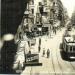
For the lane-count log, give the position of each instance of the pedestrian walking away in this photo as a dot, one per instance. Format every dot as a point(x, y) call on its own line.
point(29, 52)
point(48, 53)
point(39, 48)
point(55, 30)
point(43, 52)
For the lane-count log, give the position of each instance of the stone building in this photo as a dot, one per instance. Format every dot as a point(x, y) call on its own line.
point(28, 18)
point(57, 12)
point(45, 12)
point(73, 18)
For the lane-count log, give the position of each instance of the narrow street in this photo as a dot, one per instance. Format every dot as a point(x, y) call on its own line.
point(37, 37)
point(54, 65)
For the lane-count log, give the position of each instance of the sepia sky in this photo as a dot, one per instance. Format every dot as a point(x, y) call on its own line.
point(69, 4)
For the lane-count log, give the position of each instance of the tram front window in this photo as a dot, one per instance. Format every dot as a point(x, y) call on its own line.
point(74, 48)
point(71, 48)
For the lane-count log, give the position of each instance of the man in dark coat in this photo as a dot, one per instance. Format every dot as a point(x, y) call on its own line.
point(48, 53)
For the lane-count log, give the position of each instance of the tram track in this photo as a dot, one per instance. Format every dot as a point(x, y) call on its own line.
point(53, 63)
point(63, 66)
point(53, 73)
point(64, 63)
point(68, 65)
point(31, 71)
point(59, 63)
point(72, 66)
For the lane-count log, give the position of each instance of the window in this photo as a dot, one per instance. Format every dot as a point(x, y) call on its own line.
point(35, 28)
point(70, 48)
point(74, 48)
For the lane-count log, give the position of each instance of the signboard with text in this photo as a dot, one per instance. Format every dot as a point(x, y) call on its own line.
point(32, 58)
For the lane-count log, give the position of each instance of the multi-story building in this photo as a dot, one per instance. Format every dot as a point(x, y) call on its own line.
point(57, 12)
point(73, 18)
point(31, 10)
point(44, 12)
point(28, 18)
point(61, 13)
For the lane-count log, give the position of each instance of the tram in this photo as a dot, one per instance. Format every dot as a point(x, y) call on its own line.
point(68, 45)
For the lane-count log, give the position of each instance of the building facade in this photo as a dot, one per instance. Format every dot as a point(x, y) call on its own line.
point(48, 13)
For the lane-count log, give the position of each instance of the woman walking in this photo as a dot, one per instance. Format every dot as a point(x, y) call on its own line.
point(43, 52)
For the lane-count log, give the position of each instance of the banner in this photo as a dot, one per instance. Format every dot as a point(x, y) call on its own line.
point(32, 58)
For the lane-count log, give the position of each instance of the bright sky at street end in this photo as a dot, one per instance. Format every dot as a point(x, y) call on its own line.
point(69, 5)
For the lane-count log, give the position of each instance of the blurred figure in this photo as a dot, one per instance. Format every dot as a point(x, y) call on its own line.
point(54, 30)
point(29, 53)
point(48, 53)
point(43, 52)
point(8, 52)
point(39, 48)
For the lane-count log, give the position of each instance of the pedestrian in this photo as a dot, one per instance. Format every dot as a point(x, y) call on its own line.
point(55, 30)
point(39, 41)
point(43, 52)
point(29, 52)
point(48, 53)
point(19, 66)
point(39, 48)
